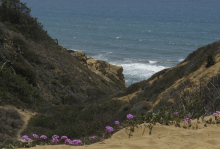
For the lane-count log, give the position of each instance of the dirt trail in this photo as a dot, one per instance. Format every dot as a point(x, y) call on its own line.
point(25, 115)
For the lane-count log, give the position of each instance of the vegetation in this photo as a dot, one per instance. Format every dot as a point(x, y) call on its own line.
point(10, 122)
point(37, 73)
point(16, 15)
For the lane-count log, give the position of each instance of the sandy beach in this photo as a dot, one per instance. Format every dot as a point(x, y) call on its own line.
point(162, 137)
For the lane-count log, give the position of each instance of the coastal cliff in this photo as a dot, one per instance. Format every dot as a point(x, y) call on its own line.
point(107, 71)
point(64, 92)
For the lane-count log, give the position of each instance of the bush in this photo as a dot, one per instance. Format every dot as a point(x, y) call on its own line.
point(28, 54)
point(10, 122)
point(210, 61)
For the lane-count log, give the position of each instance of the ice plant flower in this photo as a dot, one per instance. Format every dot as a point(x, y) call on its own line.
point(54, 139)
point(35, 136)
point(109, 128)
point(117, 122)
point(214, 114)
point(68, 142)
point(77, 142)
point(187, 119)
point(187, 115)
point(129, 116)
point(92, 138)
point(175, 113)
point(25, 137)
point(218, 112)
point(43, 137)
point(64, 137)
point(55, 136)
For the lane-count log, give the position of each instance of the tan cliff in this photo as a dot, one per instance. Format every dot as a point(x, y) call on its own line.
point(107, 71)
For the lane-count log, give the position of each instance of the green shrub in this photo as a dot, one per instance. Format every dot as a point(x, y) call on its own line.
point(210, 61)
point(28, 54)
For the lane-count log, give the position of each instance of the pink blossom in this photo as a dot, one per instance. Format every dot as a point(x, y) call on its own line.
point(92, 138)
point(55, 136)
point(109, 128)
point(54, 140)
point(77, 142)
point(64, 137)
point(187, 115)
point(175, 113)
point(187, 119)
point(43, 137)
point(117, 122)
point(26, 138)
point(129, 116)
point(68, 142)
point(35, 136)
point(214, 114)
point(218, 112)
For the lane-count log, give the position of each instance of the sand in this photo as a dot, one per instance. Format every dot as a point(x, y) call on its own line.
point(162, 137)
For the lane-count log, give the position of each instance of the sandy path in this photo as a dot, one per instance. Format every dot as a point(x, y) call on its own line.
point(25, 115)
point(162, 137)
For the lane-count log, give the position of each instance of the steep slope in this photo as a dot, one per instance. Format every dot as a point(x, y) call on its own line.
point(193, 80)
point(55, 75)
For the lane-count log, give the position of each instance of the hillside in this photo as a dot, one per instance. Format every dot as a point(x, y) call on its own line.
point(193, 84)
point(70, 94)
point(38, 75)
point(49, 71)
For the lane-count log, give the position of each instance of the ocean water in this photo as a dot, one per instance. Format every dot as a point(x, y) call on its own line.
point(143, 36)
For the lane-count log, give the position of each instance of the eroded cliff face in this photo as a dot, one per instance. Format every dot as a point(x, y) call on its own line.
point(109, 72)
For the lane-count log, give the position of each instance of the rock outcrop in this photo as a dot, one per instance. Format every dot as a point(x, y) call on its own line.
point(80, 55)
point(109, 72)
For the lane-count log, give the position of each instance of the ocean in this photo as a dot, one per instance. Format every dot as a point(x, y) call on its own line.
point(143, 36)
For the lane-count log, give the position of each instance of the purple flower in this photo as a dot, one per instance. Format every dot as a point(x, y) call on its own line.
point(54, 141)
point(43, 137)
point(129, 116)
point(187, 115)
point(175, 113)
point(187, 120)
point(35, 136)
point(117, 122)
point(55, 136)
point(25, 137)
point(64, 137)
point(68, 142)
point(218, 112)
point(109, 128)
point(214, 114)
point(92, 138)
point(77, 142)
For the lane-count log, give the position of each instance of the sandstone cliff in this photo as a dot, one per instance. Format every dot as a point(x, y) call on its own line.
point(109, 72)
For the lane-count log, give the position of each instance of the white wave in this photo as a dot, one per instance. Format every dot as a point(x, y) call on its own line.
point(135, 72)
point(137, 68)
point(180, 60)
point(153, 62)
